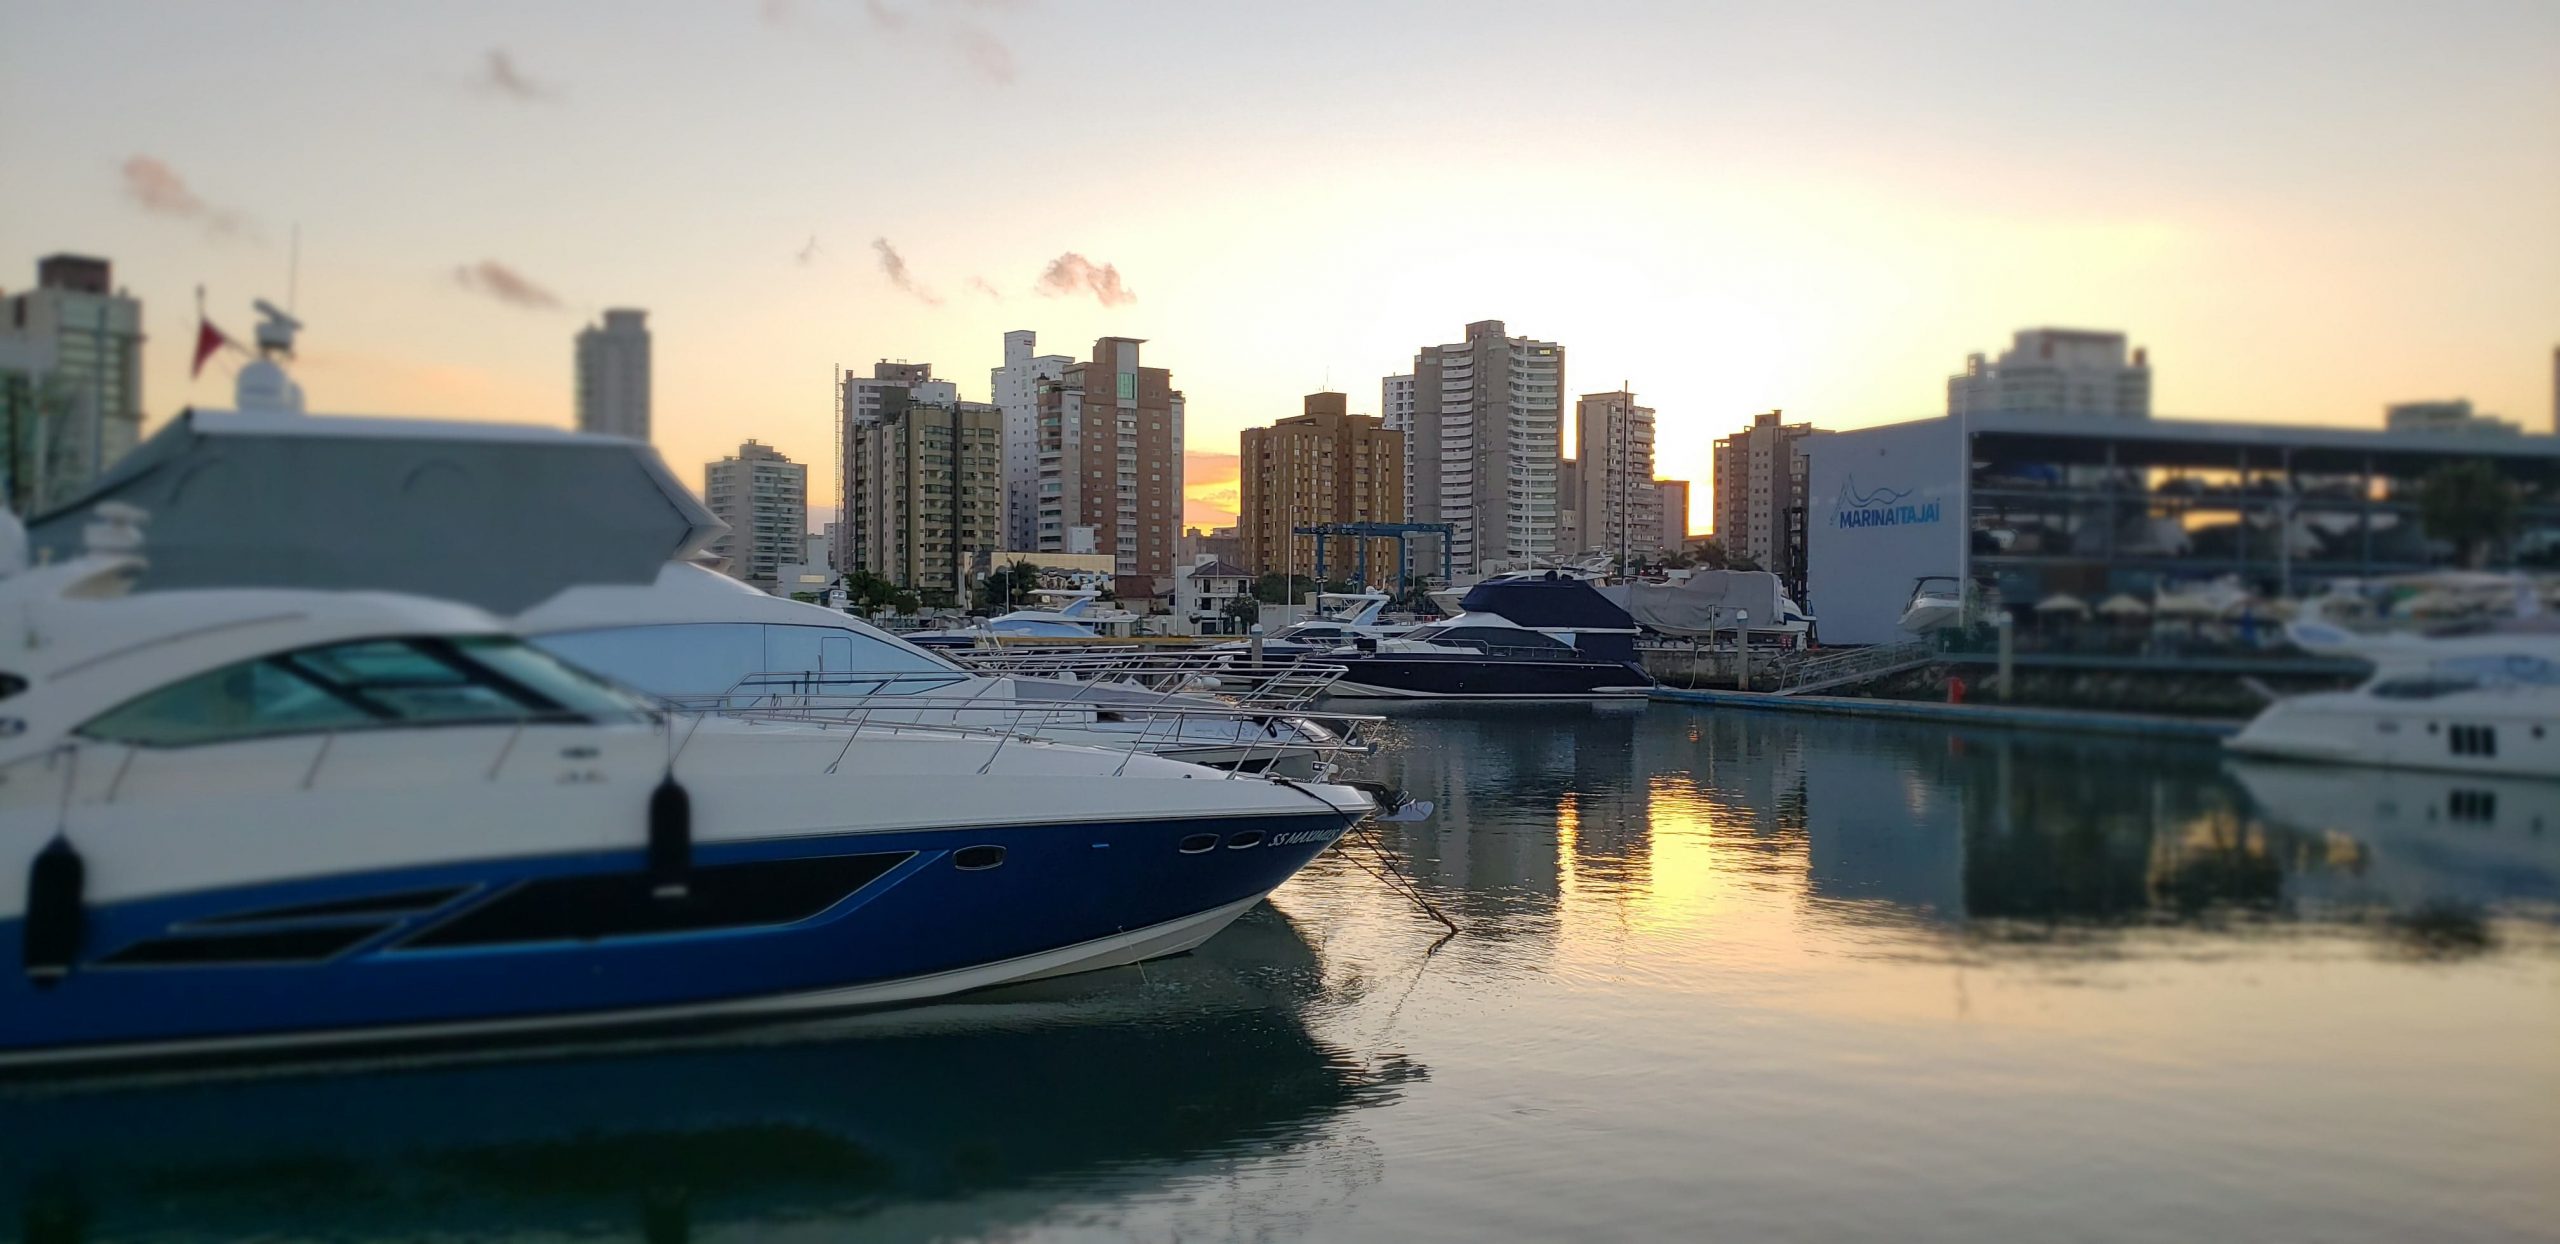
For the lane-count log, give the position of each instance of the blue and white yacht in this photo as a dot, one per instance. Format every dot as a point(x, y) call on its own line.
point(259, 819)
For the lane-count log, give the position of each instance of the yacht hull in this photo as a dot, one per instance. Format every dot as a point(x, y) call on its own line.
point(574, 942)
point(1386, 676)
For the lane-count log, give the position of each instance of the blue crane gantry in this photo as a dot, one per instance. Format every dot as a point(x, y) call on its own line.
point(1362, 533)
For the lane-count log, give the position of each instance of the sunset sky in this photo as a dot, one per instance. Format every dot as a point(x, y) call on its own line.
point(2304, 210)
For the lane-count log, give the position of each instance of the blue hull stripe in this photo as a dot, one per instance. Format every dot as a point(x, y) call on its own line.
point(1057, 886)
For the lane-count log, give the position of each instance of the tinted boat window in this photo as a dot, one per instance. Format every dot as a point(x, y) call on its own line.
point(2423, 687)
point(362, 685)
point(1496, 637)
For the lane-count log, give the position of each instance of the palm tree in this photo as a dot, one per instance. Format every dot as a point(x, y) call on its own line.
point(2470, 506)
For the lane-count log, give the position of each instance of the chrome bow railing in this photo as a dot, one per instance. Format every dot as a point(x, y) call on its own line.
point(1239, 737)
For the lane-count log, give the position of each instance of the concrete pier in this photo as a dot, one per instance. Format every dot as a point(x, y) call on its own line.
point(2084, 721)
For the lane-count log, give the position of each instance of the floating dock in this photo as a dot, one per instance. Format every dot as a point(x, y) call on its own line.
point(2085, 721)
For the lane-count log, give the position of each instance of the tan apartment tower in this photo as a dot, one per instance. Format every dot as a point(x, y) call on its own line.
point(860, 401)
point(1613, 462)
point(1487, 445)
point(1323, 466)
point(1111, 461)
point(764, 498)
point(1759, 483)
point(927, 482)
point(1672, 496)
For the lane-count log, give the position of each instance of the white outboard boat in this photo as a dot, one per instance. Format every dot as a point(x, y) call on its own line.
point(1937, 602)
point(2484, 704)
point(703, 640)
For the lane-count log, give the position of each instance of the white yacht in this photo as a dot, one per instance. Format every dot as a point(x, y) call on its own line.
point(1340, 618)
point(1069, 616)
point(701, 639)
point(2485, 704)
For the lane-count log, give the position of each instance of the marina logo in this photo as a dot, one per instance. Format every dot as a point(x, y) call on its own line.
point(1884, 507)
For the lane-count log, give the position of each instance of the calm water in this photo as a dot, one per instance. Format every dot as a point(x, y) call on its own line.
point(1720, 977)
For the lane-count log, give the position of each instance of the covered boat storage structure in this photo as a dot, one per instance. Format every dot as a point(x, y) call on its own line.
point(2095, 507)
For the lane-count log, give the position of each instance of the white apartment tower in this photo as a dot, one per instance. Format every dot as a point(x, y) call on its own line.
point(2059, 371)
point(70, 381)
point(1395, 413)
point(1016, 388)
point(764, 498)
point(1613, 454)
point(860, 401)
point(1487, 444)
point(613, 375)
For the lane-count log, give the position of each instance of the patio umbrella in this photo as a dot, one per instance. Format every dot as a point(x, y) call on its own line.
point(2123, 606)
point(2173, 605)
point(2062, 603)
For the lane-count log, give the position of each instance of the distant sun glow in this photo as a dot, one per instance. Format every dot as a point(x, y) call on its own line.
point(1751, 208)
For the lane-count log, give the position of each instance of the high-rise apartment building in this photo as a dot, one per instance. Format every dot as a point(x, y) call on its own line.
point(859, 403)
point(764, 498)
point(1613, 459)
point(1325, 465)
point(1395, 413)
point(1015, 387)
point(1759, 491)
point(2065, 371)
point(70, 381)
point(613, 375)
point(1111, 461)
point(1672, 495)
point(926, 482)
point(1487, 445)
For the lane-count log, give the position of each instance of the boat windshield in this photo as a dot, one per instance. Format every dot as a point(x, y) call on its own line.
point(2512, 668)
point(367, 684)
point(1306, 631)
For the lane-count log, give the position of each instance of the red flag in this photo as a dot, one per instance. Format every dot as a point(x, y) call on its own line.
point(208, 340)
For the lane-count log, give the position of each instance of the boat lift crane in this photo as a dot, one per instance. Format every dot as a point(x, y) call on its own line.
point(1362, 533)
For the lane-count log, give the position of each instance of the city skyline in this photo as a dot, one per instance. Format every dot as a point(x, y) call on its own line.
point(2305, 213)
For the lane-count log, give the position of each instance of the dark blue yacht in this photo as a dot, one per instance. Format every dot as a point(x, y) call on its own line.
point(1544, 638)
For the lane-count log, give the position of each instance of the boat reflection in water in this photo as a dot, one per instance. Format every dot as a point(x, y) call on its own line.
point(944, 1119)
point(2002, 834)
